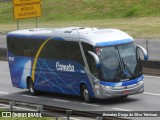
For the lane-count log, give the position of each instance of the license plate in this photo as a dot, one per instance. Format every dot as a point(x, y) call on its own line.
point(126, 92)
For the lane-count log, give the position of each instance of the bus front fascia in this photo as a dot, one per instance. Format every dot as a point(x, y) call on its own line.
point(103, 91)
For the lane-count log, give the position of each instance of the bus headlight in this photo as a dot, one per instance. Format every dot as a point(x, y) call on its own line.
point(106, 87)
point(141, 82)
point(96, 86)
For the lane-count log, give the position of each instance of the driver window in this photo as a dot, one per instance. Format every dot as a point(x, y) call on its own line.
point(90, 59)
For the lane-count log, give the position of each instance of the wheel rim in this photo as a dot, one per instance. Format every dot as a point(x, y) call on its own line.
point(85, 93)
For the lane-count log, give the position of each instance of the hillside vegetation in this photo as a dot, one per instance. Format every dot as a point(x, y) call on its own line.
point(139, 18)
point(60, 10)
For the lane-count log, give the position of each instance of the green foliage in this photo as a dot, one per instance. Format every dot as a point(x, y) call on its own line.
point(67, 10)
point(132, 11)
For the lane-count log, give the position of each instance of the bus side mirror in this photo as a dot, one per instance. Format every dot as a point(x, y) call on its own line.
point(96, 58)
point(144, 52)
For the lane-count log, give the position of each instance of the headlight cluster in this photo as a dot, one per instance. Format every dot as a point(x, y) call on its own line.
point(106, 87)
point(96, 86)
point(141, 82)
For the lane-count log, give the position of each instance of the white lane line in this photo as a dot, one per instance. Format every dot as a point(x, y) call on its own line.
point(4, 62)
point(90, 104)
point(153, 58)
point(119, 109)
point(29, 96)
point(74, 118)
point(60, 100)
point(4, 93)
point(152, 76)
point(151, 93)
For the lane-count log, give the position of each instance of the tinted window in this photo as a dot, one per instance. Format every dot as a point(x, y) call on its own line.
point(23, 46)
point(90, 59)
point(53, 49)
point(62, 50)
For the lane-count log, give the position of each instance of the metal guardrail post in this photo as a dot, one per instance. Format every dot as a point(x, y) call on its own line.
point(11, 104)
point(147, 46)
point(68, 113)
point(40, 108)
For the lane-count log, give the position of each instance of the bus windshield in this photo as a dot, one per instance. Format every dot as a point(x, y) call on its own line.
point(119, 63)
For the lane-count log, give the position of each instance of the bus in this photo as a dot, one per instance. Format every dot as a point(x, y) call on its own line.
point(87, 62)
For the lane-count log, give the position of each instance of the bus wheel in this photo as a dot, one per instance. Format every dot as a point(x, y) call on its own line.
point(31, 87)
point(85, 94)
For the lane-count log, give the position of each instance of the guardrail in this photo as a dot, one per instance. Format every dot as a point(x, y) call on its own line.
point(3, 54)
point(149, 67)
point(152, 47)
point(51, 111)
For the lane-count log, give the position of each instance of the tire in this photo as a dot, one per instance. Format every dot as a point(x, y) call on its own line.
point(31, 88)
point(85, 94)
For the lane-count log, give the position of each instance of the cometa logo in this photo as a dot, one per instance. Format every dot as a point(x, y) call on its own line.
point(61, 67)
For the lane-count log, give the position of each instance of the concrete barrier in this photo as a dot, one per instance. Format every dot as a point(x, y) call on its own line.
point(151, 67)
point(3, 54)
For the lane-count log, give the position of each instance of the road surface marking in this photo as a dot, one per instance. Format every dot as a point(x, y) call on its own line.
point(29, 96)
point(152, 93)
point(4, 93)
point(152, 76)
point(121, 109)
point(4, 62)
point(60, 100)
point(80, 118)
point(90, 104)
point(74, 118)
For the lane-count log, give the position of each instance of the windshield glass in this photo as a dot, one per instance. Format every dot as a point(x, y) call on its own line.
point(119, 63)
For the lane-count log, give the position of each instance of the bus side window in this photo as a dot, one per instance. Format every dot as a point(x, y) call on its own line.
point(90, 60)
point(29, 53)
point(62, 50)
point(23, 46)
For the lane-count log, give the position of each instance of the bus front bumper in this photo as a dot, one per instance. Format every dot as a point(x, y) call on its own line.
point(105, 92)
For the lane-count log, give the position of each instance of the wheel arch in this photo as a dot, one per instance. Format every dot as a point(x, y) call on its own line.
point(27, 81)
point(81, 87)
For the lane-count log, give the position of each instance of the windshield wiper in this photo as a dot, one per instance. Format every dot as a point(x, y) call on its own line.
point(119, 74)
point(127, 68)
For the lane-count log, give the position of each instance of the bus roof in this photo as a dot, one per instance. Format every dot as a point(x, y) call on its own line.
point(93, 36)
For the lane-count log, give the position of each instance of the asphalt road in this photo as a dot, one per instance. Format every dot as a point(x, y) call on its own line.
point(153, 46)
point(147, 101)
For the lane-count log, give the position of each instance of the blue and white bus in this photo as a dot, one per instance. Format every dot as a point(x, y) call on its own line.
point(88, 62)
